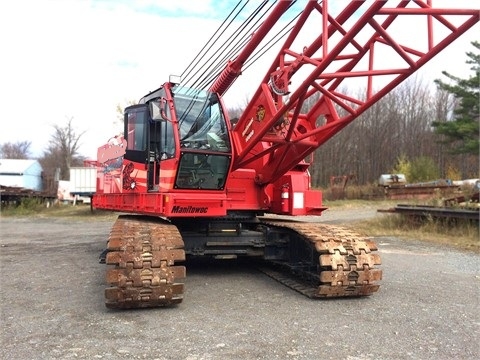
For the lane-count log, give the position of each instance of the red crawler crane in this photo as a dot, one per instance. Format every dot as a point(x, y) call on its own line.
point(200, 186)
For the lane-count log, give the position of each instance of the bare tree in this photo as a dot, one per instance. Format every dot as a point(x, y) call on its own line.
point(398, 124)
point(18, 150)
point(62, 151)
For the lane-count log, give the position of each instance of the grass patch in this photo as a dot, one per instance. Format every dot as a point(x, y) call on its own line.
point(358, 204)
point(459, 233)
point(26, 207)
point(67, 211)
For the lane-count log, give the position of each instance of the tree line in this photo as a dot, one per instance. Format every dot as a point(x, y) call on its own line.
point(431, 133)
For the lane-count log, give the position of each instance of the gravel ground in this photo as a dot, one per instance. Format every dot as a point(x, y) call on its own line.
point(52, 305)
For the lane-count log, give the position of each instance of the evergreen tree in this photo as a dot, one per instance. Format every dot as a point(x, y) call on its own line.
point(463, 132)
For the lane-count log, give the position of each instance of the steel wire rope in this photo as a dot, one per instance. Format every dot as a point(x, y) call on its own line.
point(213, 67)
point(200, 82)
point(272, 42)
point(275, 38)
point(278, 36)
point(236, 47)
point(225, 48)
point(230, 48)
point(214, 72)
point(194, 62)
point(220, 61)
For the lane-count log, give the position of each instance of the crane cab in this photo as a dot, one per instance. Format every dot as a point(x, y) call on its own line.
point(180, 136)
point(175, 145)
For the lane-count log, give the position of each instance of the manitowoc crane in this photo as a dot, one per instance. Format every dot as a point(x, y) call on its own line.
point(193, 182)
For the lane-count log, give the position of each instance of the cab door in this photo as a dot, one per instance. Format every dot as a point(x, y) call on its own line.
point(136, 170)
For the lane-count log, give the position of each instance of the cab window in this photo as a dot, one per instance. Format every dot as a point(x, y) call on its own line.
point(135, 121)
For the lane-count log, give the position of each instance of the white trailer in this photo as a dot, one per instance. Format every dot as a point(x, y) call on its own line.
point(83, 182)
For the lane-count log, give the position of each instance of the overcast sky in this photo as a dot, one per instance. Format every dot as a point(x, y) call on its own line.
point(79, 59)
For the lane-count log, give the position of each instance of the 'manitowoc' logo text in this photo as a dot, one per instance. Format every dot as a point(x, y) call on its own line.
point(189, 209)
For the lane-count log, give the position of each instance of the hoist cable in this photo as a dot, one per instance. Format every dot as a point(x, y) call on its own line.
point(199, 56)
point(225, 51)
point(218, 63)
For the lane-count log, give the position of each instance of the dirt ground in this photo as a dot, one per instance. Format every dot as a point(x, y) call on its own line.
point(52, 305)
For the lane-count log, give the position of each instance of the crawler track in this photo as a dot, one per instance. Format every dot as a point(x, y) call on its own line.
point(346, 264)
point(323, 261)
point(144, 252)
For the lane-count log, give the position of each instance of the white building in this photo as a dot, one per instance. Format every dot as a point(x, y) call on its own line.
point(21, 173)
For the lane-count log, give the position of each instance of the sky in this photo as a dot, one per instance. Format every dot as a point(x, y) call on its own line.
point(80, 59)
